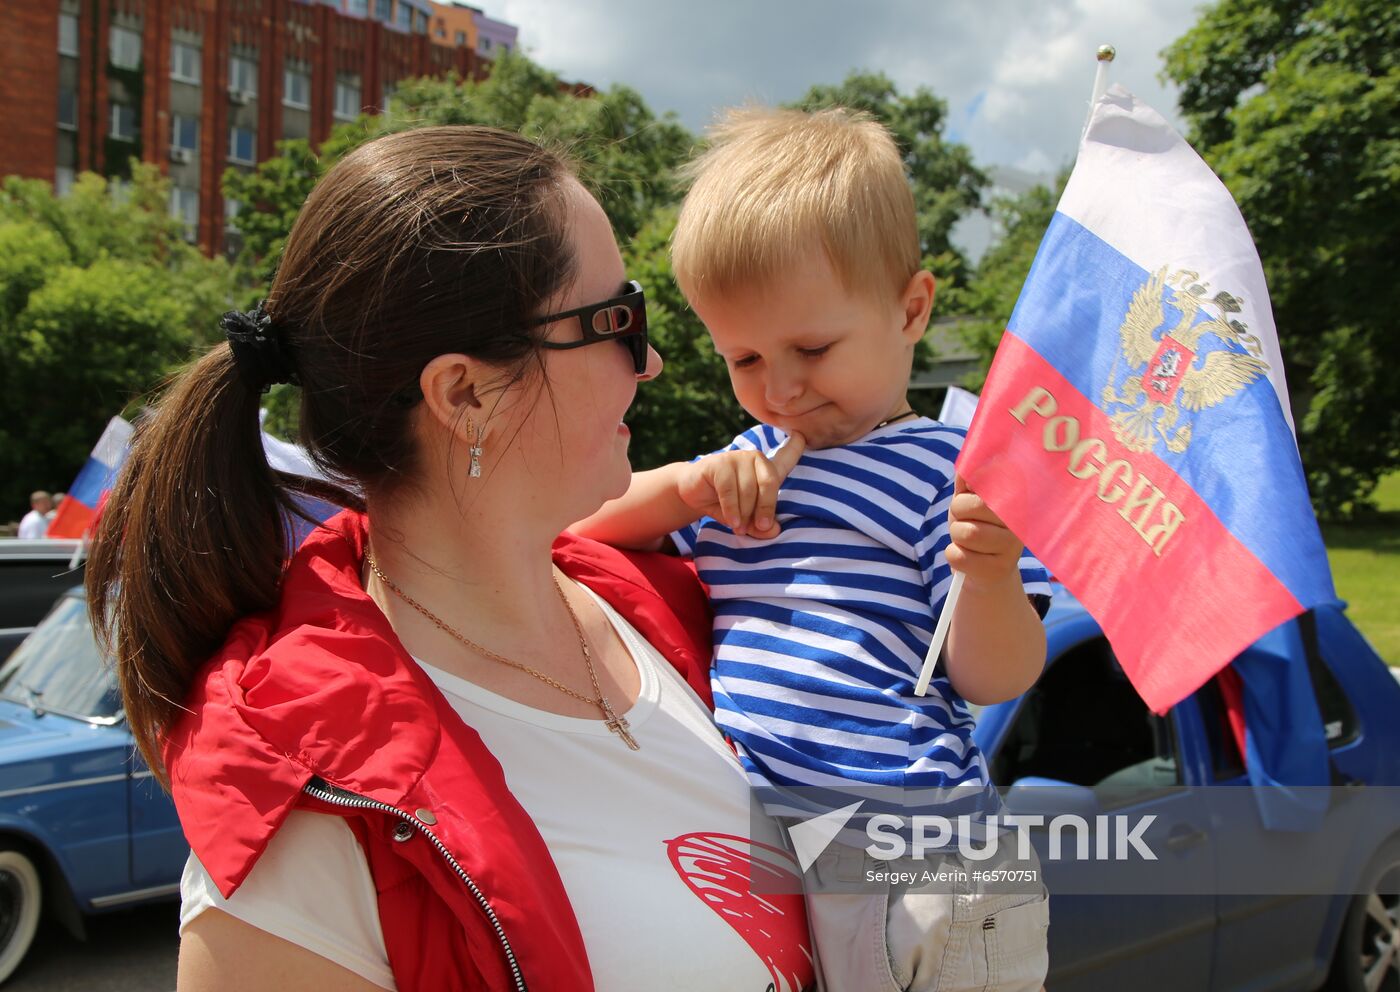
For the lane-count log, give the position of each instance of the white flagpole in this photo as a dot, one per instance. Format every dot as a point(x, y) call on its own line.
point(940, 634)
point(1104, 55)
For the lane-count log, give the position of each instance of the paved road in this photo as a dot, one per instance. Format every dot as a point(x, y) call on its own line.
point(131, 951)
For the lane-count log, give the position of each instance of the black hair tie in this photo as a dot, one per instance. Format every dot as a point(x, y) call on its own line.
point(259, 348)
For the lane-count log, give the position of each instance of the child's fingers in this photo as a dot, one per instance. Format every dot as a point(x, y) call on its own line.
point(979, 535)
point(747, 482)
point(770, 473)
point(765, 509)
point(726, 484)
point(970, 506)
point(784, 460)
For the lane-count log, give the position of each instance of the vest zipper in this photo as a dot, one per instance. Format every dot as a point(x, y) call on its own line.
point(322, 790)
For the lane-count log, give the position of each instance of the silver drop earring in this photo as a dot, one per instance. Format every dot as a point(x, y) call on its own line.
point(474, 470)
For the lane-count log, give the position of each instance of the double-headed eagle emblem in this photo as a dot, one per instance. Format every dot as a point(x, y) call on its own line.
point(1165, 377)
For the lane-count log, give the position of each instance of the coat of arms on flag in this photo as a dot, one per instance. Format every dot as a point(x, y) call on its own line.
point(1166, 376)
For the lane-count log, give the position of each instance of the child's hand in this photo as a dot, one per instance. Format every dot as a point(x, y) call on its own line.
point(982, 546)
point(740, 488)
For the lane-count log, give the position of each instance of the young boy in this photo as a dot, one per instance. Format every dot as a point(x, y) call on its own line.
point(828, 532)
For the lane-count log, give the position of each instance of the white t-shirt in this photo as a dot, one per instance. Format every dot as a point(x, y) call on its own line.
point(32, 526)
point(645, 842)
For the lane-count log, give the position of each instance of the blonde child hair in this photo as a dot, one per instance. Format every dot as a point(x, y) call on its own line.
point(775, 183)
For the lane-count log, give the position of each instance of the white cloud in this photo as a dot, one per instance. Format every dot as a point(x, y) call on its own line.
point(1016, 75)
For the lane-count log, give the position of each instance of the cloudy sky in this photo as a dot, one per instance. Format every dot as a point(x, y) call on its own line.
point(1016, 73)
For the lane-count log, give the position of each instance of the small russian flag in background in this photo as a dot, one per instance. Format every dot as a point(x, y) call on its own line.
point(75, 514)
point(1135, 428)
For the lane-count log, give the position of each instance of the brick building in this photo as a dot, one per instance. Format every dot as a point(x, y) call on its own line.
point(200, 86)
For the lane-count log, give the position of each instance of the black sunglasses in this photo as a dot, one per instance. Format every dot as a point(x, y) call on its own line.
point(622, 319)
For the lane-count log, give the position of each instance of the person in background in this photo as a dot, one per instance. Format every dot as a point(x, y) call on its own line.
point(58, 499)
point(35, 524)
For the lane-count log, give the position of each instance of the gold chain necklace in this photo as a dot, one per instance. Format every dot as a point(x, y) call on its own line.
point(617, 724)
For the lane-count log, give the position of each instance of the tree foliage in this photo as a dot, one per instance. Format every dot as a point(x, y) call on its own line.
point(992, 293)
point(690, 408)
point(1296, 104)
point(100, 297)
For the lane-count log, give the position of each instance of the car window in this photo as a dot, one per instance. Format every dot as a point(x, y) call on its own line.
point(1339, 721)
point(1226, 762)
point(30, 583)
point(59, 668)
point(1084, 723)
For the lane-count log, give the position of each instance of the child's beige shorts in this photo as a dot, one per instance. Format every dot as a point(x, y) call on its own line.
point(946, 937)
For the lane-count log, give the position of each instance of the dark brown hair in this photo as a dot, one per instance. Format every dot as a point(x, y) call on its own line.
point(417, 244)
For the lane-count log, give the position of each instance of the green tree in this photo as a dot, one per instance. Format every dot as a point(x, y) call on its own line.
point(100, 298)
point(690, 408)
point(1296, 104)
point(992, 292)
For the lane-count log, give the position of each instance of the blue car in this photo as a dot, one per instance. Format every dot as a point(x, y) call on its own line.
point(84, 828)
point(1081, 741)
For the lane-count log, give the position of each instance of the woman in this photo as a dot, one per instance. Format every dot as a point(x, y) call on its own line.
point(438, 748)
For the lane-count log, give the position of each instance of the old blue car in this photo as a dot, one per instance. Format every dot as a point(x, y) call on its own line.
point(84, 828)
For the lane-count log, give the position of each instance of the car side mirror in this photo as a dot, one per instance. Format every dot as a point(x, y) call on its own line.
point(1050, 798)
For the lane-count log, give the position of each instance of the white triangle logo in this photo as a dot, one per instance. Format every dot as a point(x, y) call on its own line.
point(811, 837)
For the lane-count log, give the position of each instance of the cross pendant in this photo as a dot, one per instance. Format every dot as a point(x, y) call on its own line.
point(618, 725)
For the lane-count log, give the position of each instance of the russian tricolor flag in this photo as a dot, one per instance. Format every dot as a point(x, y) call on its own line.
point(1135, 428)
point(79, 507)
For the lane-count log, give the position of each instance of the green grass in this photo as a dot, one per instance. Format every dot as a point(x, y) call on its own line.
point(1365, 560)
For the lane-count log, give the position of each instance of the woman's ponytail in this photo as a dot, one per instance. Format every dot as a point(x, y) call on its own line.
point(192, 537)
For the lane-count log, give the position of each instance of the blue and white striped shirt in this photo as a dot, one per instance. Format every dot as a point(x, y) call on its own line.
point(820, 633)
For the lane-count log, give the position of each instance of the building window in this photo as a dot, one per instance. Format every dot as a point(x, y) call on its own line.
point(242, 145)
point(420, 22)
point(347, 98)
point(460, 38)
point(440, 32)
point(67, 109)
point(296, 88)
point(231, 210)
point(125, 48)
point(119, 189)
point(505, 48)
point(184, 63)
point(243, 75)
point(62, 180)
point(123, 125)
point(383, 9)
point(184, 205)
point(184, 132)
point(405, 16)
point(68, 34)
point(360, 8)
